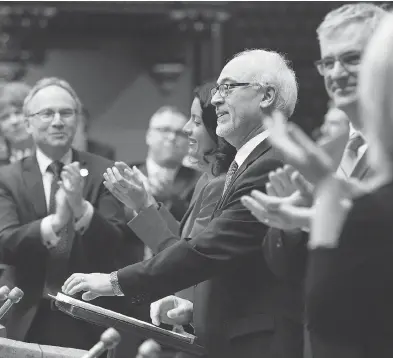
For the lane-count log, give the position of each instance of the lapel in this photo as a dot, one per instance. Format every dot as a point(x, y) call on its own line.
point(186, 216)
point(82, 158)
point(260, 149)
point(33, 181)
point(361, 167)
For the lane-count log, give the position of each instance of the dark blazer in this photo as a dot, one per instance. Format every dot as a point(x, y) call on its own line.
point(238, 310)
point(101, 149)
point(350, 288)
point(22, 207)
point(183, 188)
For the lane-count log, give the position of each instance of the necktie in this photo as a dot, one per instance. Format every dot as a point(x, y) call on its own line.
point(55, 168)
point(57, 262)
point(350, 155)
point(230, 174)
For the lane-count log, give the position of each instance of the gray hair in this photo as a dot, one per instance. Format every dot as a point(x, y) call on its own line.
point(369, 15)
point(275, 69)
point(375, 93)
point(52, 81)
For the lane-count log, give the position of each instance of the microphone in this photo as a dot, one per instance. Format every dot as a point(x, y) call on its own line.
point(4, 292)
point(108, 340)
point(13, 297)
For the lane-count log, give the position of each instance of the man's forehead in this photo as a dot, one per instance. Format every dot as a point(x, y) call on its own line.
point(346, 38)
point(239, 69)
point(52, 94)
point(168, 119)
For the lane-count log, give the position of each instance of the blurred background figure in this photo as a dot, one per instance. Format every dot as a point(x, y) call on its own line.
point(169, 181)
point(17, 142)
point(82, 141)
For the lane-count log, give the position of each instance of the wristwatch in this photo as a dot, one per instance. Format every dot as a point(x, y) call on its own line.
point(115, 284)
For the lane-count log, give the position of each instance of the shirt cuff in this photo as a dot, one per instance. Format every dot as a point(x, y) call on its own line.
point(115, 284)
point(83, 223)
point(47, 233)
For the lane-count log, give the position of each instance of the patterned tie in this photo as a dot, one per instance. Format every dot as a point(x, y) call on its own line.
point(230, 174)
point(350, 155)
point(55, 168)
point(57, 262)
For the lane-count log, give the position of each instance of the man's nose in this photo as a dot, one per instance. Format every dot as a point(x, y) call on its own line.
point(57, 121)
point(338, 71)
point(217, 99)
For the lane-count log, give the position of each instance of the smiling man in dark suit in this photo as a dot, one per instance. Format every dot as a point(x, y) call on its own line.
point(56, 217)
point(239, 304)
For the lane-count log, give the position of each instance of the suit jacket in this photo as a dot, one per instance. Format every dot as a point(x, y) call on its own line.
point(183, 188)
point(22, 208)
point(238, 310)
point(350, 287)
point(101, 149)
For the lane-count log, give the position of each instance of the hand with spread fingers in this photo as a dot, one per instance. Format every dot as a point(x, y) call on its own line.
point(280, 183)
point(299, 150)
point(93, 285)
point(171, 310)
point(281, 213)
point(73, 184)
point(128, 186)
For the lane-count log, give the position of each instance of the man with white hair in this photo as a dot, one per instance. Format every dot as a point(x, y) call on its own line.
point(56, 217)
point(240, 308)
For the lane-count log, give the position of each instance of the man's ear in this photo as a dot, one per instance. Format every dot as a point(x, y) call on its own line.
point(269, 97)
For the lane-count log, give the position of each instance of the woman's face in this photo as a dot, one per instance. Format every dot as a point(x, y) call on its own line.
point(199, 141)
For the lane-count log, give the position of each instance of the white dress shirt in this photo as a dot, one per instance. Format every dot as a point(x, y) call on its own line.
point(246, 149)
point(46, 227)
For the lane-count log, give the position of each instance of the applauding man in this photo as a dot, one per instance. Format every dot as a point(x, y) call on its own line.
point(56, 218)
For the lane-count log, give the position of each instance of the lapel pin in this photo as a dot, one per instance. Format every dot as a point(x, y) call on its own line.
point(84, 172)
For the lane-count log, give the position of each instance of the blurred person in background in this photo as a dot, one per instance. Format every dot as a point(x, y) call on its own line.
point(84, 143)
point(17, 140)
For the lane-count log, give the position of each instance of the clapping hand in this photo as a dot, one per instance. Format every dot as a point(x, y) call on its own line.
point(299, 150)
point(73, 184)
point(284, 213)
point(128, 185)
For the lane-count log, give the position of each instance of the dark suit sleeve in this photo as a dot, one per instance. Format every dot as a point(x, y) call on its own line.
point(18, 243)
point(231, 237)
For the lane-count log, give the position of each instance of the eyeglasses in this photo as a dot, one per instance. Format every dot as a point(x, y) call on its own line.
point(349, 61)
point(167, 131)
point(48, 114)
point(224, 89)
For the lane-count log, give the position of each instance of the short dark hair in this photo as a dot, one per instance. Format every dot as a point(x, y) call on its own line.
point(223, 153)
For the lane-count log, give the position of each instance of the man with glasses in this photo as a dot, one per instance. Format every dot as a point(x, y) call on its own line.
point(170, 182)
point(343, 35)
point(240, 308)
point(56, 217)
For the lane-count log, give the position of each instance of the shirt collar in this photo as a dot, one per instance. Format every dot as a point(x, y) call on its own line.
point(246, 149)
point(44, 161)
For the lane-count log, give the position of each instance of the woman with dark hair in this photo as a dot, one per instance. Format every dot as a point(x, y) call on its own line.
point(213, 156)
